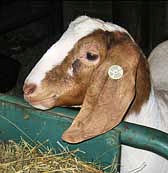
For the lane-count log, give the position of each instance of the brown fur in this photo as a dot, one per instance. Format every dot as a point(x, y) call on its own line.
point(73, 88)
point(143, 86)
point(107, 100)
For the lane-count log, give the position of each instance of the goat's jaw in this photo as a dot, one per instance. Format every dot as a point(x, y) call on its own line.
point(40, 107)
point(42, 104)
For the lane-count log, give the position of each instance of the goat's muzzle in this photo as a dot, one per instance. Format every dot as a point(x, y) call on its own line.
point(29, 88)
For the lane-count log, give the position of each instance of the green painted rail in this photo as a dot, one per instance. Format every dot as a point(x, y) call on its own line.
point(144, 138)
point(18, 119)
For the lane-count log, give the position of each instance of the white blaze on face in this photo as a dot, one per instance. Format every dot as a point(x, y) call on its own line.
point(55, 55)
point(70, 71)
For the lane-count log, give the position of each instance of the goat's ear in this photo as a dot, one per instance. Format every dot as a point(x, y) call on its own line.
point(109, 94)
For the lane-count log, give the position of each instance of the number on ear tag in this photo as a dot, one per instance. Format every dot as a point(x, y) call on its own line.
point(115, 72)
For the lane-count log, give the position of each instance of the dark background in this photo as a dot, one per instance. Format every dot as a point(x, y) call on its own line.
point(29, 27)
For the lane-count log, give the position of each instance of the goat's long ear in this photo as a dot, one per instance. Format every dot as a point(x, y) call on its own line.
point(109, 94)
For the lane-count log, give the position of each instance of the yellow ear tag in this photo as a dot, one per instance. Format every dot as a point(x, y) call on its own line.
point(115, 72)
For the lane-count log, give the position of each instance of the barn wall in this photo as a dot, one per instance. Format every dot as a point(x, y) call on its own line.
point(29, 27)
point(145, 20)
point(98, 9)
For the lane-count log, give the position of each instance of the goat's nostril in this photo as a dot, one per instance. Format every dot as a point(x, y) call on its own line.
point(29, 88)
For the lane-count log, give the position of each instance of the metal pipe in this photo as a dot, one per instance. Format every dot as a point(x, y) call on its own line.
point(143, 138)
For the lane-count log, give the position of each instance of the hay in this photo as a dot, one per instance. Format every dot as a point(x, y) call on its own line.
point(24, 158)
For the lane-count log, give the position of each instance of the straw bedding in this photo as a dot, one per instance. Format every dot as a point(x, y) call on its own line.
point(24, 158)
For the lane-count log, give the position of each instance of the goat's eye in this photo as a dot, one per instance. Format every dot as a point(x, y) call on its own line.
point(91, 57)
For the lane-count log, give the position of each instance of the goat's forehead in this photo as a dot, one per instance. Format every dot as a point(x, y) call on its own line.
point(55, 55)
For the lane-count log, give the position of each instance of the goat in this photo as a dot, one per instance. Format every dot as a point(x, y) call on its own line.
point(98, 65)
point(158, 60)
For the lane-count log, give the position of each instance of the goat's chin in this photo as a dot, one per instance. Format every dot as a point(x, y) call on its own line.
point(50, 102)
point(41, 107)
point(43, 104)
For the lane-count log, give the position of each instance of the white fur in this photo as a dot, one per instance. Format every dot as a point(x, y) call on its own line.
point(77, 29)
point(70, 71)
point(152, 114)
point(158, 61)
point(40, 107)
point(151, 109)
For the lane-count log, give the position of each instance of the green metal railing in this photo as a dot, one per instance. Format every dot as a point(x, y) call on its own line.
point(18, 119)
point(144, 138)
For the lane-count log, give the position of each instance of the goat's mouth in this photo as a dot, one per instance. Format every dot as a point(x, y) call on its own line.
point(44, 104)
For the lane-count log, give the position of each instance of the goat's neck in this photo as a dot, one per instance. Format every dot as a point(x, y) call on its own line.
point(149, 115)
